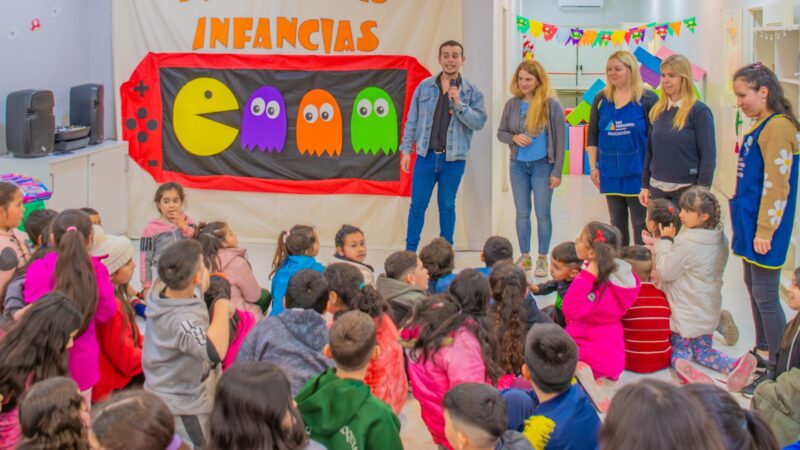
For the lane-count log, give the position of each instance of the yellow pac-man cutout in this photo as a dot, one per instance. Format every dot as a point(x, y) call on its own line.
point(200, 135)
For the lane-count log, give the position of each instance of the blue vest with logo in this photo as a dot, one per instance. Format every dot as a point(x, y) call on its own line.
point(621, 147)
point(747, 200)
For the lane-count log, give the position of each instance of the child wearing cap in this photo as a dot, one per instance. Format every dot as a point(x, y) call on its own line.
point(557, 414)
point(120, 339)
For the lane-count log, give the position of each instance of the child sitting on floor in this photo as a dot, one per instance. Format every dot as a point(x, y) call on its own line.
point(221, 253)
point(564, 267)
point(646, 324)
point(295, 251)
point(337, 407)
point(557, 414)
point(385, 375)
point(598, 298)
point(439, 259)
point(295, 338)
point(351, 248)
point(450, 340)
point(475, 419)
point(496, 249)
point(403, 284)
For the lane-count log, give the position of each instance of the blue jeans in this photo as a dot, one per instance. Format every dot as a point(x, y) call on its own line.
point(428, 171)
point(526, 178)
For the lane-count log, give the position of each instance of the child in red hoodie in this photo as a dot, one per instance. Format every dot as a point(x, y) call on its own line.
point(646, 324)
point(120, 339)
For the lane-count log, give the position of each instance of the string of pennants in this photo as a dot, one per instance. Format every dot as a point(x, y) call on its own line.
point(589, 37)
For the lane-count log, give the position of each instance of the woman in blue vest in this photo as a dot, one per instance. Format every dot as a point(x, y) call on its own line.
point(762, 209)
point(533, 127)
point(617, 142)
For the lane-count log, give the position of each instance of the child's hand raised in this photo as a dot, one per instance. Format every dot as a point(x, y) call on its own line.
point(668, 231)
point(224, 306)
point(534, 288)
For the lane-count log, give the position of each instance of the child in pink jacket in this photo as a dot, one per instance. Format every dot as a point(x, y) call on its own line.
point(448, 342)
point(93, 294)
point(598, 298)
point(221, 253)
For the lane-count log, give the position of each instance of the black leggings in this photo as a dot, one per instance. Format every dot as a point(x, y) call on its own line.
point(618, 208)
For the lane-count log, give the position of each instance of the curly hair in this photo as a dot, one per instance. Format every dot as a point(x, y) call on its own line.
point(36, 347)
point(465, 305)
point(509, 289)
point(50, 416)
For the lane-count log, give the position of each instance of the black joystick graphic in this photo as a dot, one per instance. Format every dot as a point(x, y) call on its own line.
point(141, 121)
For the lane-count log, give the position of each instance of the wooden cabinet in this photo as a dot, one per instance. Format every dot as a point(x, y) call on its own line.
point(94, 176)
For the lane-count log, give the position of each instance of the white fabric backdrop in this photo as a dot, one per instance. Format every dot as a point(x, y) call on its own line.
point(407, 27)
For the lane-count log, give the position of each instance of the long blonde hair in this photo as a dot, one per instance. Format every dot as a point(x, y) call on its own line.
point(634, 77)
point(538, 112)
point(680, 65)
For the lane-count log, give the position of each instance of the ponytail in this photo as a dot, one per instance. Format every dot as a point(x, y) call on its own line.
point(762, 436)
point(74, 271)
point(739, 428)
point(348, 283)
point(509, 289)
point(604, 239)
point(211, 236)
point(297, 241)
point(757, 76)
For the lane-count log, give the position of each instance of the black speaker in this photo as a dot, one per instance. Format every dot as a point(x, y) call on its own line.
point(30, 123)
point(86, 108)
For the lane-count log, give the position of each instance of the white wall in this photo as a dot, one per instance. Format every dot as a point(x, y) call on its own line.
point(73, 46)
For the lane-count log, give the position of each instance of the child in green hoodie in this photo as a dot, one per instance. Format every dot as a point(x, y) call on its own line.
point(337, 407)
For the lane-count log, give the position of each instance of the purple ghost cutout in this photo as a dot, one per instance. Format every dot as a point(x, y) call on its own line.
point(264, 121)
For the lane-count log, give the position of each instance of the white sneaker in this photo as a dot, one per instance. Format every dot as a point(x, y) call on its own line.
point(541, 267)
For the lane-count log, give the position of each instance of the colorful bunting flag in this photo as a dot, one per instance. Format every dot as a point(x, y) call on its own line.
point(536, 28)
point(522, 24)
point(661, 31)
point(690, 23)
point(586, 37)
point(549, 31)
point(575, 35)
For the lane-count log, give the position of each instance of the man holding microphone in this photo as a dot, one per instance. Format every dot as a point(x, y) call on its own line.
point(444, 111)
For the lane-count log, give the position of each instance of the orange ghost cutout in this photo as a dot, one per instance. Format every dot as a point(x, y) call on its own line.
point(319, 124)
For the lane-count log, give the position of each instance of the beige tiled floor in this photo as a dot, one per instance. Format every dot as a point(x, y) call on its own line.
point(574, 204)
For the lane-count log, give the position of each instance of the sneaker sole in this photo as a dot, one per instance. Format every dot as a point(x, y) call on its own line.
point(726, 322)
point(740, 376)
point(596, 394)
point(689, 374)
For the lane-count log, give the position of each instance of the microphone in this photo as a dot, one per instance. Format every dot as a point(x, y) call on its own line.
point(450, 99)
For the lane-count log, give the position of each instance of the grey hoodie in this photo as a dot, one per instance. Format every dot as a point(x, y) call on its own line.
point(294, 340)
point(401, 297)
point(513, 440)
point(180, 363)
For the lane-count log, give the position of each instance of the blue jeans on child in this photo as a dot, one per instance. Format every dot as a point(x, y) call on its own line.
point(428, 171)
point(700, 348)
point(532, 177)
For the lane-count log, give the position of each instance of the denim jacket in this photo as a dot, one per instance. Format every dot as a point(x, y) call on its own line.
point(468, 116)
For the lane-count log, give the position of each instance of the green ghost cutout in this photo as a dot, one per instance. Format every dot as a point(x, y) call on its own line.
point(373, 125)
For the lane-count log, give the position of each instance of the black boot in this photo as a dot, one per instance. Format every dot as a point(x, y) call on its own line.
point(766, 375)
